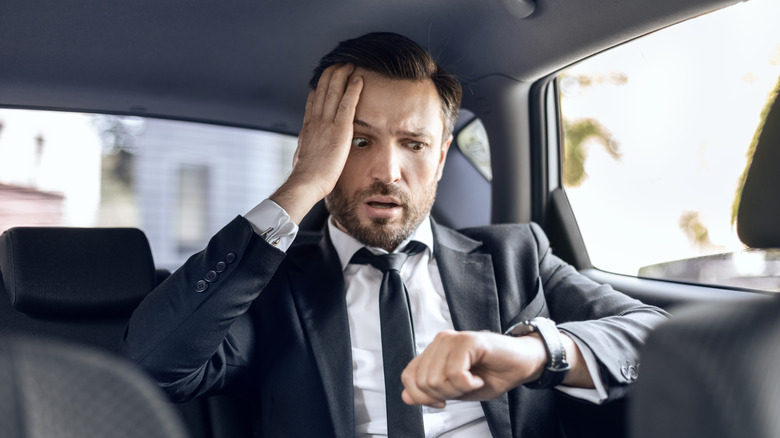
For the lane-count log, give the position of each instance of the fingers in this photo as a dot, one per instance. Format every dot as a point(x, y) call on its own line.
point(331, 91)
point(471, 366)
point(321, 92)
point(307, 115)
point(329, 117)
point(325, 137)
point(442, 372)
point(345, 115)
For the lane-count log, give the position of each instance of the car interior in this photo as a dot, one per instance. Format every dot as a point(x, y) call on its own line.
point(69, 285)
point(54, 388)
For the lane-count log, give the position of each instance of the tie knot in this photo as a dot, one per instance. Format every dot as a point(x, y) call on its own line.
point(387, 262)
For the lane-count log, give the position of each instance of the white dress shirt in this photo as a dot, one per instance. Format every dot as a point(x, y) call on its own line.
point(430, 315)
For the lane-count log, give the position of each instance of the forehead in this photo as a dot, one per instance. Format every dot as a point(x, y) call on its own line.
point(398, 104)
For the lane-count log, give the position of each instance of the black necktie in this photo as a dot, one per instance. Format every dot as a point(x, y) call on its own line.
point(397, 338)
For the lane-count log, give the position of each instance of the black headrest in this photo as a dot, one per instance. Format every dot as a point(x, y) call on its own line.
point(52, 388)
point(758, 216)
point(76, 272)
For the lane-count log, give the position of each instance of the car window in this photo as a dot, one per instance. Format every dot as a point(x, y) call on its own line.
point(473, 142)
point(179, 182)
point(657, 134)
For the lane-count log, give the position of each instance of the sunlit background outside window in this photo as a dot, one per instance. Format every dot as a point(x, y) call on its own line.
point(657, 132)
point(179, 182)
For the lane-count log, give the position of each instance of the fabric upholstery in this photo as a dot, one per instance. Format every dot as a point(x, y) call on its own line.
point(80, 285)
point(712, 372)
point(54, 389)
point(76, 272)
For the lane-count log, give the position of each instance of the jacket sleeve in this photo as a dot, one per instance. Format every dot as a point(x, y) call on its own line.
point(192, 333)
point(611, 324)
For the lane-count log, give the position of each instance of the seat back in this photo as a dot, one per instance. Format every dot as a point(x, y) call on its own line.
point(758, 216)
point(54, 389)
point(80, 285)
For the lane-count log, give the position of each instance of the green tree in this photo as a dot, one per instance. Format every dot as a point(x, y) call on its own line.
point(575, 136)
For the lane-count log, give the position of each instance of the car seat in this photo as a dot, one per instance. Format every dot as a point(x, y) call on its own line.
point(54, 389)
point(81, 285)
point(758, 216)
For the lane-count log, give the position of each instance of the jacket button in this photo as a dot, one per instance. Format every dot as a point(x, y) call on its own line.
point(230, 257)
point(220, 267)
point(632, 373)
point(201, 286)
point(624, 371)
point(211, 276)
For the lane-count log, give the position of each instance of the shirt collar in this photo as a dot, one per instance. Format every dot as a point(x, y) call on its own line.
point(346, 245)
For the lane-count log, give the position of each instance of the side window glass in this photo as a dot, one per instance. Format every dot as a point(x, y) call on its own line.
point(473, 142)
point(179, 182)
point(657, 134)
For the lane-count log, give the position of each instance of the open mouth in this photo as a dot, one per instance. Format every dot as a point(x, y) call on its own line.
point(383, 207)
point(383, 204)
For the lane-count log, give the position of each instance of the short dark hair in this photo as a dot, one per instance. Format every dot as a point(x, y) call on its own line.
point(396, 57)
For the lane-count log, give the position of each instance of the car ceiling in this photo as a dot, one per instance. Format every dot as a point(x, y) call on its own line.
point(247, 63)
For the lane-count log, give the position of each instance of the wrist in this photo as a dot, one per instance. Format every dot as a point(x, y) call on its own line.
point(556, 366)
point(297, 199)
point(540, 353)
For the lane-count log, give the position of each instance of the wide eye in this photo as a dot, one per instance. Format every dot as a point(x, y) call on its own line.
point(415, 145)
point(359, 142)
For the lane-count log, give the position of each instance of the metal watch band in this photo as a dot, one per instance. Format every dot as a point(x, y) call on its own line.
point(557, 367)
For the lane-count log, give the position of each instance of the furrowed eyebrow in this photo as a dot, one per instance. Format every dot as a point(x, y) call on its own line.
point(419, 134)
point(422, 133)
point(363, 124)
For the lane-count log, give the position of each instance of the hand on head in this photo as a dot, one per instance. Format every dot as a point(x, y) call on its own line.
point(324, 141)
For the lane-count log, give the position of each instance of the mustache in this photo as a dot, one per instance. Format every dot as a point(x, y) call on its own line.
point(381, 189)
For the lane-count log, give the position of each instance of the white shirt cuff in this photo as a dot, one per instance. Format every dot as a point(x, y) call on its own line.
point(597, 395)
point(271, 222)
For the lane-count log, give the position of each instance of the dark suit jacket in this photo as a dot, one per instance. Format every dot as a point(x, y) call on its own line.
point(275, 327)
point(712, 372)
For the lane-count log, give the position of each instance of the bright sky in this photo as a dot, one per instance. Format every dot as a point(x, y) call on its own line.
point(70, 163)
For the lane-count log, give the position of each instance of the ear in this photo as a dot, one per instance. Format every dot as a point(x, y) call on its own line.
point(445, 147)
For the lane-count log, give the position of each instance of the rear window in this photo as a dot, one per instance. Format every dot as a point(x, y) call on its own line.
point(179, 182)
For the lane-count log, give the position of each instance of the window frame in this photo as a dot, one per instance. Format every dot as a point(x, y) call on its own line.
point(552, 208)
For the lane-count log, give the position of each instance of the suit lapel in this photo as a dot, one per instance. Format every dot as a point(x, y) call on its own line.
point(472, 296)
point(468, 280)
point(318, 289)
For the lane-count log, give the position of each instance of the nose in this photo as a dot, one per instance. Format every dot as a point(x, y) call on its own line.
point(386, 164)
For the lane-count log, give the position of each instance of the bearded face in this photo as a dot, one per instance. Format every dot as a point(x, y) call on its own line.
point(388, 183)
point(381, 232)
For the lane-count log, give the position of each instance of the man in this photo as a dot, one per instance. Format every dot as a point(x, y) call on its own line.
point(297, 325)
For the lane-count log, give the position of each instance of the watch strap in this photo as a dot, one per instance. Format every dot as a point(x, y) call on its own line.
point(557, 367)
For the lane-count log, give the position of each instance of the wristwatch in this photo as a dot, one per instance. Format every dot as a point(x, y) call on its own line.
point(557, 367)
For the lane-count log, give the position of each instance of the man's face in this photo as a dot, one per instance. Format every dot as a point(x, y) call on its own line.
point(388, 184)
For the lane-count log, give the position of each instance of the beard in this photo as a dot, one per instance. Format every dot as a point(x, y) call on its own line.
point(381, 232)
